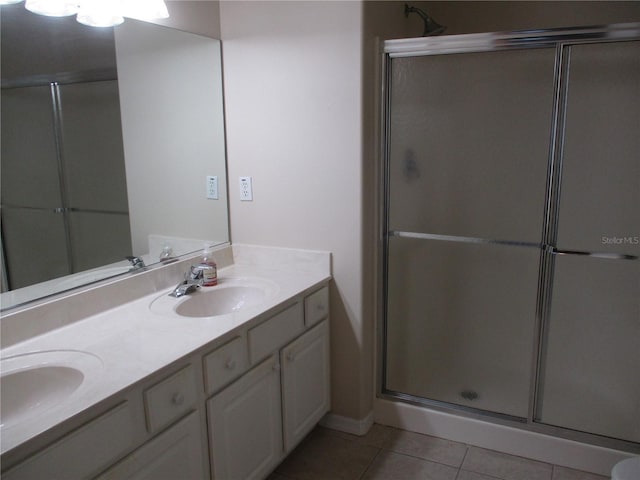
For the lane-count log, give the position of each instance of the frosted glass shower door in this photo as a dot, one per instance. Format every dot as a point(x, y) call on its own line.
point(460, 323)
point(590, 378)
point(467, 168)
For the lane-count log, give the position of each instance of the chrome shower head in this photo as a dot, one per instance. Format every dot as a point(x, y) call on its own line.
point(431, 27)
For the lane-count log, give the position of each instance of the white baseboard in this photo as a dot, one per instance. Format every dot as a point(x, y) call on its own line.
point(524, 443)
point(347, 424)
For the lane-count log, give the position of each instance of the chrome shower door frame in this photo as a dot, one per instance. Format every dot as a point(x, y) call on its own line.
point(561, 40)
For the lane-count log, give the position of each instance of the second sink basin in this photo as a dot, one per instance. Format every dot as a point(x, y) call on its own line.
point(229, 296)
point(35, 383)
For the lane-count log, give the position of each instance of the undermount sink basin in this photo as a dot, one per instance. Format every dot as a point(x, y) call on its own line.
point(220, 302)
point(229, 296)
point(35, 383)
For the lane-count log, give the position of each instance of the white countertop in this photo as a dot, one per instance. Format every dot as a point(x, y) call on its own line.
point(132, 342)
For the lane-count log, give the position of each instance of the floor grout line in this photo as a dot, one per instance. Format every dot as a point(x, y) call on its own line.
point(363, 474)
point(405, 454)
point(479, 473)
point(466, 451)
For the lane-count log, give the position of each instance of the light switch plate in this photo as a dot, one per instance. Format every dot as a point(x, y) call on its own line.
point(246, 191)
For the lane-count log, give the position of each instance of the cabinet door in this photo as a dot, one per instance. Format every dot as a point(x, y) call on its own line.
point(176, 453)
point(305, 383)
point(245, 425)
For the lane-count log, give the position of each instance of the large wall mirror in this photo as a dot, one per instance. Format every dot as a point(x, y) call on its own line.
point(109, 141)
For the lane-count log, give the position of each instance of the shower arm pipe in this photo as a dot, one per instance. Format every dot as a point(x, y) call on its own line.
point(431, 27)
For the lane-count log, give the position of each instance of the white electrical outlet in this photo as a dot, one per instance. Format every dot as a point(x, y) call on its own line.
point(246, 192)
point(212, 187)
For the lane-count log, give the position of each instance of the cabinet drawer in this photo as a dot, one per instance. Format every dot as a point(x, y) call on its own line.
point(274, 333)
point(171, 398)
point(225, 364)
point(84, 452)
point(316, 306)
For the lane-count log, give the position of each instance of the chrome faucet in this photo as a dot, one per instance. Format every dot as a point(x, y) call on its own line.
point(136, 263)
point(192, 281)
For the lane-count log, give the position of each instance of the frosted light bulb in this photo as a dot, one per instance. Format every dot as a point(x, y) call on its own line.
point(52, 8)
point(100, 13)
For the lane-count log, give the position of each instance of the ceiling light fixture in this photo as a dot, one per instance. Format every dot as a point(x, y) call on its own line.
point(97, 13)
point(52, 8)
point(100, 13)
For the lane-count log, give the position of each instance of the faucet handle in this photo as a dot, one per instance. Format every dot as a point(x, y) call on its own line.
point(136, 262)
point(195, 273)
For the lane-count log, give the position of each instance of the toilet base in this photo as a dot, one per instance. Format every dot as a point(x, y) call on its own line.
point(628, 469)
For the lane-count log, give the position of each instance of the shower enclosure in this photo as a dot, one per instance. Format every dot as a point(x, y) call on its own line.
point(512, 229)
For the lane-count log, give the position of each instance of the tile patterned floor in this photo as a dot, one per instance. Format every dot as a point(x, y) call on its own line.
point(387, 453)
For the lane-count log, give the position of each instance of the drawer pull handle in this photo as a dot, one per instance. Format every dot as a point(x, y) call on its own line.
point(291, 356)
point(320, 307)
point(177, 399)
point(230, 364)
point(276, 367)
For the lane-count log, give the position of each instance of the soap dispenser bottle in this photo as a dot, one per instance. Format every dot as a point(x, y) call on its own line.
point(208, 267)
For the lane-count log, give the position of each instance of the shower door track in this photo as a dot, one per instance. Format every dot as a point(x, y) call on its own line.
point(561, 39)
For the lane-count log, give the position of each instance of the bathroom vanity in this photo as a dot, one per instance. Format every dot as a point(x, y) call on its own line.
point(223, 383)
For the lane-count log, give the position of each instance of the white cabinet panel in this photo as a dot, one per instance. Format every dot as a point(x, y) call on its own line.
point(316, 306)
point(245, 425)
point(305, 383)
point(272, 334)
point(225, 364)
point(82, 453)
point(168, 400)
point(176, 453)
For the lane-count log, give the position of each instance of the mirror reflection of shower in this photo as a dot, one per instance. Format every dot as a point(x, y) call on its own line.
point(431, 27)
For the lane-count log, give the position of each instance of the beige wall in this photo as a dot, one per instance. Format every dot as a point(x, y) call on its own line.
point(301, 98)
point(293, 113)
